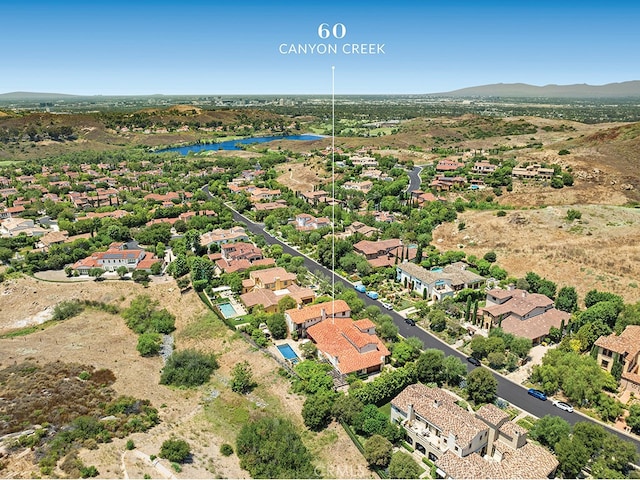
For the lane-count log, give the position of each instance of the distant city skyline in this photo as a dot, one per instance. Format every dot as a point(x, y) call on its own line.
point(287, 48)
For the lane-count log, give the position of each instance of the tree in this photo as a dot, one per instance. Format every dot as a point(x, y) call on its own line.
point(594, 296)
point(175, 450)
point(286, 303)
point(277, 325)
point(188, 368)
point(96, 272)
point(6, 254)
point(478, 347)
point(261, 441)
point(482, 386)
point(633, 420)
point(567, 300)
point(454, 370)
point(520, 346)
point(140, 276)
point(403, 465)
point(549, 430)
point(438, 320)
point(429, 366)
point(149, 344)
point(122, 271)
point(346, 408)
point(406, 350)
point(156, 268)
point(377, 451)
point(179, 267)
point(387, 330)
point(242, 378)
point(317, 410)
point(572, 456)
point(309, 350)
point(490, 256)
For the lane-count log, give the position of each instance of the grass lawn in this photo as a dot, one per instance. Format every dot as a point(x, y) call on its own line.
point(386, 409)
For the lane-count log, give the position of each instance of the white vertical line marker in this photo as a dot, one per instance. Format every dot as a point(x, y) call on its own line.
point(333, 187)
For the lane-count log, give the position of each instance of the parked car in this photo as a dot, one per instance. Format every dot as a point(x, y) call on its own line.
point(388, 306)
point(373, 295)
point(410, 321)
point(537, 393)
point(474, 361)
point(563, 406)
point(360, 288)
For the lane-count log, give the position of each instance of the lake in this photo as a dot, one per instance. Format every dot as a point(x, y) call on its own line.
point(233, 144)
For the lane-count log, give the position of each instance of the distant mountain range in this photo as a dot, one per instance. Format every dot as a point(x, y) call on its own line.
point(610, 90)
point(14, 96)
point(522, 90)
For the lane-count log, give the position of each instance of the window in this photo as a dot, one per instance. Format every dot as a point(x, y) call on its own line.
point(604, 364)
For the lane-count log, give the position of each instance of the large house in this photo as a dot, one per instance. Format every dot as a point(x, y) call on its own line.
point(523, 314)
point(300, 319)
point(624, 348)
point(275, 278)
point(442, 182)
point(446, 165)
point(350, 346)
point(534, 171)
point(14, 226)
point(268, 286)
point(440, 282)
point(305, 222)
point(117, 255)
point(364, 186)
point(384, 253)
point(221, 236)
point(483, 168)
point(239, 256)
point(484, 444)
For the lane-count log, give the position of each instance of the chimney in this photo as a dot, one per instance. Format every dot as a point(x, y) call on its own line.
point(410, 414)
point(436, 403)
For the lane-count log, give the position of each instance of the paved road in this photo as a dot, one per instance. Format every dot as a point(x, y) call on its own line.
point(414, 179)
point(510, 391)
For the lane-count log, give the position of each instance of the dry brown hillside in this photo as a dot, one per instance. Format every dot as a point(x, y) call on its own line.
point(601, 250)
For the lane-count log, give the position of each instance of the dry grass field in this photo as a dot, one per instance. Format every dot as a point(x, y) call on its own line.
point(205, 417)
point(601, 250)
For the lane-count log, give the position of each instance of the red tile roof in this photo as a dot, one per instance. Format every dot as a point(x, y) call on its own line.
point(302, 315)
point(353, 349)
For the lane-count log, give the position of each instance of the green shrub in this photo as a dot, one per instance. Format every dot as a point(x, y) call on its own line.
point(226, 449)
point(130, 445)
point(67, 309)
point(149, 344)
point(188, 368)
point(88, 472)
point(175, 450)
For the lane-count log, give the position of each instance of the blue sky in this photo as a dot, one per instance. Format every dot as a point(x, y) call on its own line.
point(191, 47)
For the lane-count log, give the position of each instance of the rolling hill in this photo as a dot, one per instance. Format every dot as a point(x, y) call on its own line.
point(610, 90)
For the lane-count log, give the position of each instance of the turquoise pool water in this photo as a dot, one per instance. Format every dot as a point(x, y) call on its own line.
point(227, 310)
point(288, 353)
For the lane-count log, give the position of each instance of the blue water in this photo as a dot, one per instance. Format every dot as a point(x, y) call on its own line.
point(287, 352)
point(227, 310)
point(233, 144)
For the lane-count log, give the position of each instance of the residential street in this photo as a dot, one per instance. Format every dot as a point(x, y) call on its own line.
point(507, 389)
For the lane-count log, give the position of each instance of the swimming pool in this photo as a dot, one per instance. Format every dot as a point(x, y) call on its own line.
point(288, 353)
point(227, 310)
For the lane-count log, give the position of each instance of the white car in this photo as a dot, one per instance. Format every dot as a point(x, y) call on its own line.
point(563, 406)
point(386, 305)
